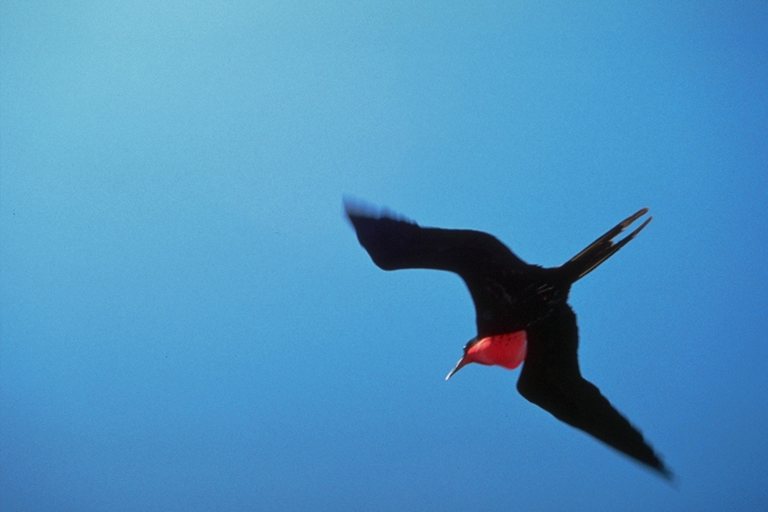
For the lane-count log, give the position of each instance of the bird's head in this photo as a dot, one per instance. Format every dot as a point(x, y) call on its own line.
point(507, 350)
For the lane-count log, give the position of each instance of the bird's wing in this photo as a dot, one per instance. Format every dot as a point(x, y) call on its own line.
point(397, 243)
point(551, 379)
point(490, 270)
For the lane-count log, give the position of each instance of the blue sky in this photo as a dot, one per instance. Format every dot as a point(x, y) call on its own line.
point(188, 323)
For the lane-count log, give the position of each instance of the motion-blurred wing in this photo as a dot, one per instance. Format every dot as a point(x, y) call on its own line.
point(489, 269)
point(396, 244)
point(551, 379)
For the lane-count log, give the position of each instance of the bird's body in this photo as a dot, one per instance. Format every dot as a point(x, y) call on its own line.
point(522, 315)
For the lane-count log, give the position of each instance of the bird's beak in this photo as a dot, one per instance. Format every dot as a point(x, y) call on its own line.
point(462, 362)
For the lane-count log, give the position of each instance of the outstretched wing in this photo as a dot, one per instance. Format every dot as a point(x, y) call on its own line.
point(489, 269)
point(551, 379)
point(397, 243)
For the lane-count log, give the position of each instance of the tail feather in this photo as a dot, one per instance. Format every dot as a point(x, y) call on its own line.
point(604, 247)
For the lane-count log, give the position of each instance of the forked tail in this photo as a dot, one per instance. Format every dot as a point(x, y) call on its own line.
point(603, 248)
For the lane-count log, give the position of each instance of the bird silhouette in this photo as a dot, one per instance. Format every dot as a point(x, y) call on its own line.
point(522, 314)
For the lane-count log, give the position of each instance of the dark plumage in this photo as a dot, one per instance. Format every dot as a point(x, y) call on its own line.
point(511, 295)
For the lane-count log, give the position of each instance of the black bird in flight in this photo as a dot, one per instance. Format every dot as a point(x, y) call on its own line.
point(521, 312)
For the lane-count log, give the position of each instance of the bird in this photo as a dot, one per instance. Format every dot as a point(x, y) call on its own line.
point(521, 311)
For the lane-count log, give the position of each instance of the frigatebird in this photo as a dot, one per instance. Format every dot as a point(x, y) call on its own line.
point(522, 314)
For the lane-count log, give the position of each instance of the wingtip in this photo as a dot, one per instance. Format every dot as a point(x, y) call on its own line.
point(667, 474)
point(360, 213)
point(354, 207)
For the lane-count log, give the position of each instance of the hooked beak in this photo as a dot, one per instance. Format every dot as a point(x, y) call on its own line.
point(462, 362)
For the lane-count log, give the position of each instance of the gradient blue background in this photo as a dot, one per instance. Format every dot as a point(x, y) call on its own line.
point(188, 323)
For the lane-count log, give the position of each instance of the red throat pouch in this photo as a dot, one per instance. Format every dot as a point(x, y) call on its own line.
point(507, 350)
